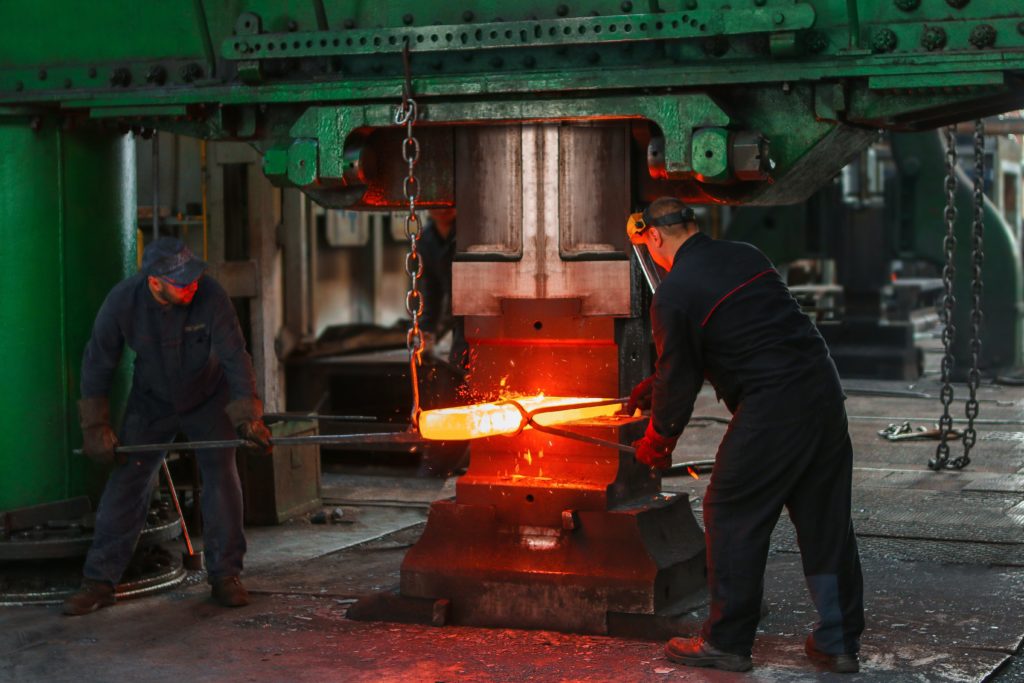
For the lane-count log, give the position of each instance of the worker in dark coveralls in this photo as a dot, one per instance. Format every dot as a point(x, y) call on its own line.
point(723, 313)
point(192, 375)
point(437, 249)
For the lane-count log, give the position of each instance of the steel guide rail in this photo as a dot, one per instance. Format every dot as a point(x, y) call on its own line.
point(551, 32)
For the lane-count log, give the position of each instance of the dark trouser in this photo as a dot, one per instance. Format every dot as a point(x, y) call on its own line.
point(125, 501)
point(768, 460)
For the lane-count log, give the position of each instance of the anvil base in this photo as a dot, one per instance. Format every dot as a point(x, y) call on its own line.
point(645, 558)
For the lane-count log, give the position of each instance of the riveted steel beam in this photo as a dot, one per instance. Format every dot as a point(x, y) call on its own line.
point(575, 31)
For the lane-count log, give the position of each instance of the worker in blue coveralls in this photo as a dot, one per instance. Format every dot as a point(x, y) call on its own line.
point(723, 313)
point(192, 375)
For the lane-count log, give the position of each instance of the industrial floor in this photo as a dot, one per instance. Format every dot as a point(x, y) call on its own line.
point(943, 557)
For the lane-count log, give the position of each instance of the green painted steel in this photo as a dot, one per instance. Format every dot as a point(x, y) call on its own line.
point(921, 158)
point(813, 73)
point(67, 205)
point(590, 30)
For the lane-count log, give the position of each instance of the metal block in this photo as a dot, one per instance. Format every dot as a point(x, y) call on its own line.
point(284, 484)
point(637, 559)
point(39, 515)
point(401, 609)
point(513, 255)
point(548, 532)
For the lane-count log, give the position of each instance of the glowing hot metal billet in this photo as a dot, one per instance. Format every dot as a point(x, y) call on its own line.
point(510, 417)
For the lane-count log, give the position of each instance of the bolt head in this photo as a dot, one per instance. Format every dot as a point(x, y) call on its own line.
point(626, 6)
point(562, 10)
point(121, 76)
point(884, 41)
point(468, 15)
point(933, 38)
point(982, 36)
point(349, 24)
point(191, 72)
point(908, 5)
point(407, 19)
point(42, 74)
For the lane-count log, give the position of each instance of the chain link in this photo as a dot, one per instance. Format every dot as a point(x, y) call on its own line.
point(941, 458)
point(406, 115)
point(970, 436)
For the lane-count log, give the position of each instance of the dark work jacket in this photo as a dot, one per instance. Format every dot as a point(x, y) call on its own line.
point(436, 285)
point(724, 314)
point(183, 354)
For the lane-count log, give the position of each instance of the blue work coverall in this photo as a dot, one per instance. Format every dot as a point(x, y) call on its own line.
point(190, 361)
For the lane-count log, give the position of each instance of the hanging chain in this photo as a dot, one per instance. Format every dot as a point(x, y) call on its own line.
point(406, 115)
point(948, 303)
point(977, 259)
point(970, 436)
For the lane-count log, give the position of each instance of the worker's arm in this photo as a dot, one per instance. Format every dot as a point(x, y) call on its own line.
point(101, 357)
point(245, 410)
point(104, 349)
point(679, 372)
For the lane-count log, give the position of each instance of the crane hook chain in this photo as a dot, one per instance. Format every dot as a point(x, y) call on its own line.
point(406, 115)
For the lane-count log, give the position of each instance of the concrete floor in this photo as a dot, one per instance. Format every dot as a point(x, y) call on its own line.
point(943, 557)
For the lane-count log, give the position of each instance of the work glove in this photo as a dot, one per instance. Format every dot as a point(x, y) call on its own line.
point(246, 415)
point(655, 450)
point(99, 439)
point(640, 397)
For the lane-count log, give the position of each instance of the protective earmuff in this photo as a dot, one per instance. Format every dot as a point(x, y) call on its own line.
point(638, 223)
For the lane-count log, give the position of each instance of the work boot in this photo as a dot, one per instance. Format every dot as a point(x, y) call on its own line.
point(699, 652)
point(840, 664)
point(89, 598)
point(229, 591)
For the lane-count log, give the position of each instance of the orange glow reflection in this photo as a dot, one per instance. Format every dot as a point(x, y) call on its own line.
point(494, 419)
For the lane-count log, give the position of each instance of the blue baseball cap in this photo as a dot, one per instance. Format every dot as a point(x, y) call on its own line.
point(171, 259)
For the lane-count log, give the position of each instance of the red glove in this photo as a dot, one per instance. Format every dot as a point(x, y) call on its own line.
point(640, 397)
point(655, 450)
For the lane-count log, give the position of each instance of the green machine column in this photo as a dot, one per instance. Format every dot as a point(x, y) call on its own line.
point(67, 235)
point(921, 161)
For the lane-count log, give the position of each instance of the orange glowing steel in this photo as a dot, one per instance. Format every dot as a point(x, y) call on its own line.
point(494, 419)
